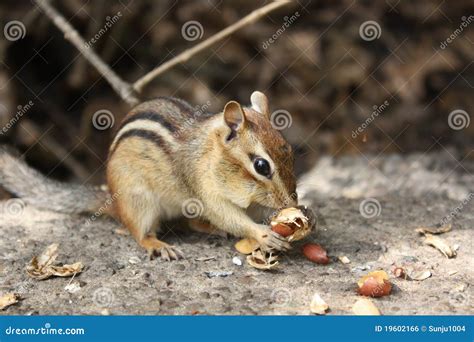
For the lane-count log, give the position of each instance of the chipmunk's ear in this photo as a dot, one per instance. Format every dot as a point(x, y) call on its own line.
point(234, 116)
point(260, 103)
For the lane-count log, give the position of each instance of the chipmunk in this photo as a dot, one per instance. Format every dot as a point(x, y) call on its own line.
point(164, 157)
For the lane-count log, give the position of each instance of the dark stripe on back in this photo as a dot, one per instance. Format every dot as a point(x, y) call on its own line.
point(146, 135)
point(151, 116)
point(184, 107)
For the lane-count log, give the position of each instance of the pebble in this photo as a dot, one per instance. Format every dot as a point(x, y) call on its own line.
point(237, 261)
point(214, 274)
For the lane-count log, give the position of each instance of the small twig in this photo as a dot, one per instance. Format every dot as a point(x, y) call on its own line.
point(128, 92)
point(185, 55)
point(123, 88)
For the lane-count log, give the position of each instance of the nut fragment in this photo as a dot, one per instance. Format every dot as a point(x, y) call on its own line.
point(420, 275)
point(434, 230)
point(262, 260)
point(345, 260)
point(399, 272)
point(318, 306)
point(440, 245)
point(299, 219)
point(315, 253)
point(365, 307)
point(8, 299)
point(375, 284)
point(246, 246)
point(283, 229)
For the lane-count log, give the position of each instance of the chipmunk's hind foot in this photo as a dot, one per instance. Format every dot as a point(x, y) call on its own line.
point(156, 247)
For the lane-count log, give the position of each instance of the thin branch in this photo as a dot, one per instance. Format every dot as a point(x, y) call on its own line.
point(122, 88)
point(128, 92)
point(185, 55)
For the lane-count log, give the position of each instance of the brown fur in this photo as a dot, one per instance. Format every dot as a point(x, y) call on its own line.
point(155, 179)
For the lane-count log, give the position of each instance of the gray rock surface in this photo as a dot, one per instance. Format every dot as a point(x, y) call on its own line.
point(119, 279)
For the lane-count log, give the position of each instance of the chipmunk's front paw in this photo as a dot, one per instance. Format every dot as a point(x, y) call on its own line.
point(268, 239)
point(156, 247)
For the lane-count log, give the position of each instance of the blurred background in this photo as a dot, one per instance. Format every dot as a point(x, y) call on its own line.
point(358, 77)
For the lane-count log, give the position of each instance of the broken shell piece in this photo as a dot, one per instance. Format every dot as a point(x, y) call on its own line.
point(73, 287)
point(246, 246)
point(440, 245)
point(41, 267)
point(345, 260)
point(420, 275)
point(300, 219)
point(8, 299)
point(365, 307)
point(434, 230)
point(262, 260)
point(318, 306)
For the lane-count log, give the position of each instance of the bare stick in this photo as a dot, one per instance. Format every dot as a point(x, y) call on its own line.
point(122, 88)
point(185, 55)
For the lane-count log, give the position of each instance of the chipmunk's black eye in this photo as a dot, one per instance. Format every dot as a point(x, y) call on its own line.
point(262, 167)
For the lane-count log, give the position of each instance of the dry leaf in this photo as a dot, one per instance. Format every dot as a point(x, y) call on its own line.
point(434, 230)
point(8, 299)
point(318, 306)
point(439, 244)
point(246, 246)
point(41, 267)
point(420, 275)
point(365, 307)
point(262, 260)
point(345, 260)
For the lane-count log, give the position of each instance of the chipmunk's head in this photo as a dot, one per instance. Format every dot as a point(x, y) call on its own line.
point(257, 162)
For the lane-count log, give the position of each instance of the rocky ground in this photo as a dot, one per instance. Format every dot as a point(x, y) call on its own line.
point(417, 190)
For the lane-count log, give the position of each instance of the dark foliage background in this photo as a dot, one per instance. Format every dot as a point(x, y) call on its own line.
point(319, 69)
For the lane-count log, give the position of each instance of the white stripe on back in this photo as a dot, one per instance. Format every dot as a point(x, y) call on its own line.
point(147, 125)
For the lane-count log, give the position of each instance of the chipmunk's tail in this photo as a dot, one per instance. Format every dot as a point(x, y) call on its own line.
point(35, 189)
